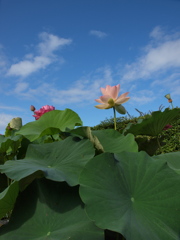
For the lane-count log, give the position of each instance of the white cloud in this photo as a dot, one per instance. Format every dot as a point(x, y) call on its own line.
point(49, 43)
point(26, 67)
point(157, 33)
point(98, 34)
point(83, 91)
point(157, 58)
point(4, 120)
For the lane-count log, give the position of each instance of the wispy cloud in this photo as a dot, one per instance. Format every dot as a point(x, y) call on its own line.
point(169, 84)
point(82, 91)
point(21, 87)
point(85, 90)
point(49, 43)
point(142, 97)
point(160, 56)
point(12, 108)
point(98, 34)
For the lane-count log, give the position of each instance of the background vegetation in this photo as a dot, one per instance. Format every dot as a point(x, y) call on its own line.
point(169, 138)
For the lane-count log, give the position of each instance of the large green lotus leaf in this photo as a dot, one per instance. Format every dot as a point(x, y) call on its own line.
point(172, 159)
point(59, 161)
point(8, 198)
point(154, 125)
point(113, 141)
point(50, 123)
point(49, 210)
point(133, 194)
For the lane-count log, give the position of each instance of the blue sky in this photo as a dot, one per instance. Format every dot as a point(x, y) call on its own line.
point(61, 52)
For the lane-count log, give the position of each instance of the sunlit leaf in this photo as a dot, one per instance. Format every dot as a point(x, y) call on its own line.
point(58, 161)
point(50, 123)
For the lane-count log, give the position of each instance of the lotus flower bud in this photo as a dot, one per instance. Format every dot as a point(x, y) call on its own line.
point(16, 123)
point(120, 109)
point(32, 108)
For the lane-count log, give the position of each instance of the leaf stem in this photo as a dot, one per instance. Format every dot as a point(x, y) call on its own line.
point(172, 105)
point(52, 138)
point(114, 118)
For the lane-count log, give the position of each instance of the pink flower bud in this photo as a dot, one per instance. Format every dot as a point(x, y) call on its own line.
point(32, 108)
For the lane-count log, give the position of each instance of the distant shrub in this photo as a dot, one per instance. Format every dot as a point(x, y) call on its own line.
point(170, 138)
point(121, 122)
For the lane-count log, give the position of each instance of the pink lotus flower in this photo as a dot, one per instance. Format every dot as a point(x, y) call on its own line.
point(41, 111)
point(110, 97)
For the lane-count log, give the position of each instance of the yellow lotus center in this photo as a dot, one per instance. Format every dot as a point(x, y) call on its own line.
point(111, 102)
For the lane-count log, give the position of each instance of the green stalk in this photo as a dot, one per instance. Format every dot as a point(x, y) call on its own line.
point(52, 138)
point(114, 118)
point(172, 105)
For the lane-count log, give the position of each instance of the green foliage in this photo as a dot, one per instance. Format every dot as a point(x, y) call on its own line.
point(172, 160)
point(113, 141)
point(171, 138)
point(54, 161)
point(50, 210)
point(50, 123)
point(154, 124)
point(8, 198)
point(148, 130)
point(61, 180)
point(131, 195)
point(121, 122)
